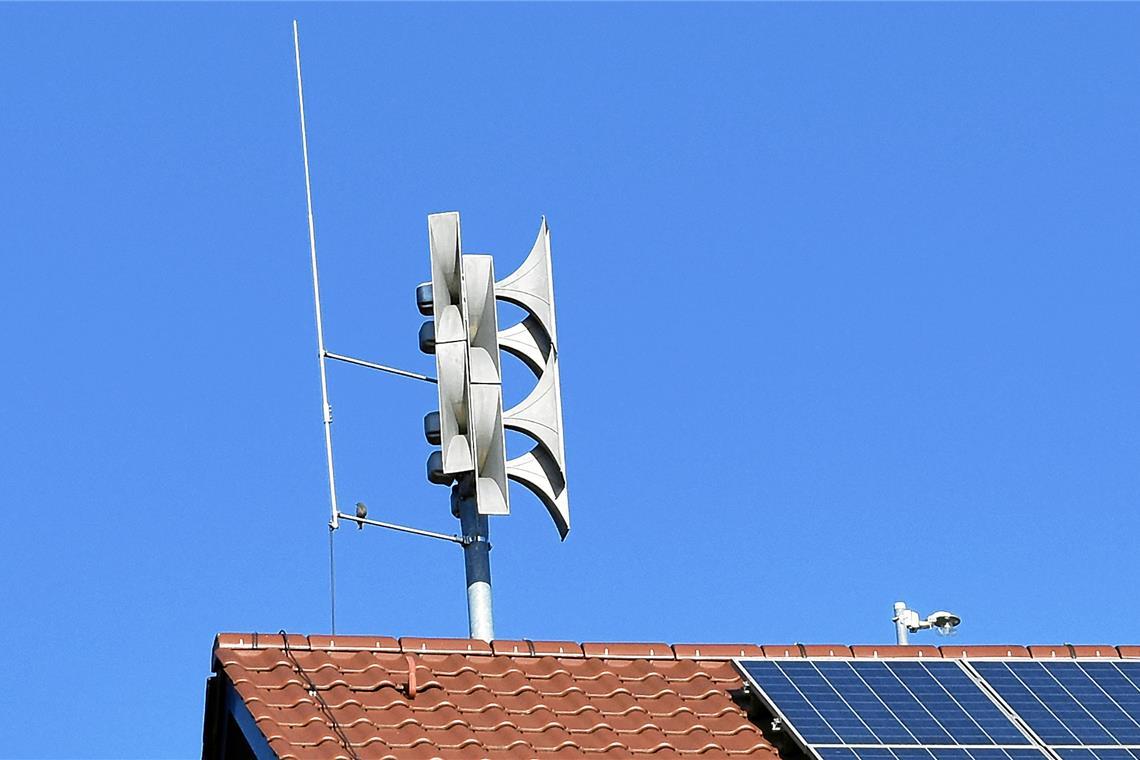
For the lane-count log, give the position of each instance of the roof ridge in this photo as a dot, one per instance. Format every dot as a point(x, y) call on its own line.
point(440, 646)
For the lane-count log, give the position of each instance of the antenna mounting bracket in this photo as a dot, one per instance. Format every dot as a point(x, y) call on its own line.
point(406, 529)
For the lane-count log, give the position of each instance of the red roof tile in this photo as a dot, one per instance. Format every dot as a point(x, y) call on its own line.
point(715, 651)
point(379, 697)
point(538, 648)
point(887, 651)
point(985, 651)
point(1070, 650)
point(627, 650)
point(806, 650)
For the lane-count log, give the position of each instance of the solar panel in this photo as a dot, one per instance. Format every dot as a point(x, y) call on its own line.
point(888, 710)
point(1084, 710)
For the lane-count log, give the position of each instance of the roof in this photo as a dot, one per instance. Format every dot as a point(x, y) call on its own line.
point(293, 696)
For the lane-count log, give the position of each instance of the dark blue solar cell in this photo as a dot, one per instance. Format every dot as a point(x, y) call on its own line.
point(948, 695)
point(946, 753)
point(875, 753)
point(979, 721)
point(1025, 703)
point(837, 753)
point(1076, 754)
point(1040, 678)
point(865, 702)
point(1016, 753)
point(1112, 754)
point(805, 719)
point(912, 753)
point(831, 706)
point(1106, 694)
point(904, 703)
point(1073, 703)
point(1130, 669)
point(993, 753)
point(1111, 696)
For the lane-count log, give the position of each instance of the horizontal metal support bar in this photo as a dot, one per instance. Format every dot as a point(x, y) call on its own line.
point(380, 367)
point(402, 528)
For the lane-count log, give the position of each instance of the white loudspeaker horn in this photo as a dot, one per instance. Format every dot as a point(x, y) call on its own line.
point(538, 472)
point(529, 342)
point(539, 415)
point(543, 468)
point(449, 312)
point(486, 386)
point(530, 286)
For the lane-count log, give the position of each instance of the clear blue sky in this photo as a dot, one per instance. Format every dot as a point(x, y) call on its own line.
point(848, 304)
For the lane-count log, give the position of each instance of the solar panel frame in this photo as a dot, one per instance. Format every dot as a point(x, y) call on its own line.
point(795, 721)
point(933, 753)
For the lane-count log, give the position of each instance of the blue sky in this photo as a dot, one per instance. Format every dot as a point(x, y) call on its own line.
point(847, 298)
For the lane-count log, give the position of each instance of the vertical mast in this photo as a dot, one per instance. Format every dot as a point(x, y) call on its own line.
point(476, 565)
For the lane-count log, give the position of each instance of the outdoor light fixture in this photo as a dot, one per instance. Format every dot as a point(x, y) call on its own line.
point(908, 621)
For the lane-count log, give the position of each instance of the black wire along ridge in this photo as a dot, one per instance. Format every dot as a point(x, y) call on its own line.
point(317, 693)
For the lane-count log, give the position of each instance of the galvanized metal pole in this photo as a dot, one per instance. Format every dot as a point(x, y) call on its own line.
point(477, 563)
point(901, 632)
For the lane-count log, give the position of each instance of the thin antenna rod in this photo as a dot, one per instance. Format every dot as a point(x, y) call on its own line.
point(326, 409)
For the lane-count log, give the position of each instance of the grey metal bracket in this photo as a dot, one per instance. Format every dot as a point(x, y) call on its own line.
point(464, 541)
point(378, 367)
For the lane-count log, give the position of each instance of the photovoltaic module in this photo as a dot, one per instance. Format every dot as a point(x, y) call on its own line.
point(931, 709)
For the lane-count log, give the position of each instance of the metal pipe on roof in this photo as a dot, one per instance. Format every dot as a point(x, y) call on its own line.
point(902, 635)
point(477, 564)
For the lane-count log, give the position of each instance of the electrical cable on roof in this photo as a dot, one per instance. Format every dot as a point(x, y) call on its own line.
point(314, 691)
point(332, 584)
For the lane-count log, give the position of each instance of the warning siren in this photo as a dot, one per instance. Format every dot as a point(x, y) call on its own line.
point(465, 339)
point(470, 424)
point(539, 416)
